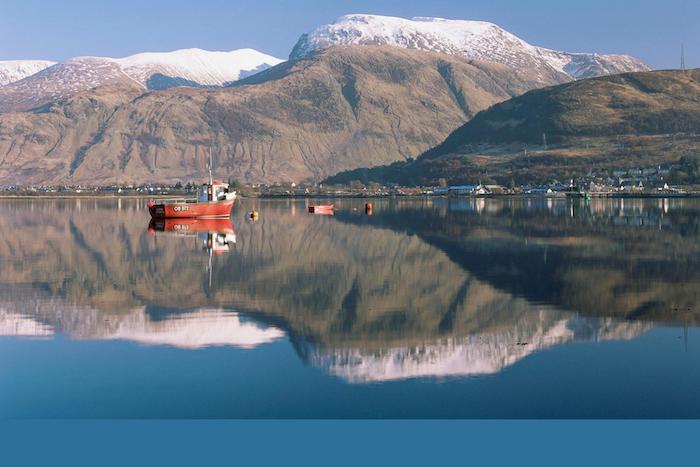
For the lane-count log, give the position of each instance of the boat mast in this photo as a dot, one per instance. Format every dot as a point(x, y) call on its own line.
point(211, 179)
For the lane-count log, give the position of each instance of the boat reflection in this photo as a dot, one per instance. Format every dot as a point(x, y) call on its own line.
point(217, 235)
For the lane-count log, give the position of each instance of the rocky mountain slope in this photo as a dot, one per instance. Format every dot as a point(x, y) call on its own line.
point(475, 40)
point(188, 67)
point(630, 119)
point(15, 70)
point(343, 108)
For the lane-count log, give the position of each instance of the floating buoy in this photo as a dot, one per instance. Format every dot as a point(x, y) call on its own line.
point(254, 215)
point(368, 209)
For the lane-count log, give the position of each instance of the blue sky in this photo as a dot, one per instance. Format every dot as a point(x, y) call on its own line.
point(649, 29)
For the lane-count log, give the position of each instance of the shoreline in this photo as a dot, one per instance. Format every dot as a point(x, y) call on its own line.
point(82, 196)
point(93, 196)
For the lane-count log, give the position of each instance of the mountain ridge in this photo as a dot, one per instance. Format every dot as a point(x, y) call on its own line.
point(475, 40)
point(152, 70)
point(344, 108)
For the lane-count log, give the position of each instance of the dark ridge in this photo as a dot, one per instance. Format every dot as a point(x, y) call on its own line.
point(447, 73)
point(159, 81)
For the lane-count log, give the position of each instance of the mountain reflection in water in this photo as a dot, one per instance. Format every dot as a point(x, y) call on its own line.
point(423, 288)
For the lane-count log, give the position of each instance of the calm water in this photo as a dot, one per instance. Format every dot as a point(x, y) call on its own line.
point(427, 308)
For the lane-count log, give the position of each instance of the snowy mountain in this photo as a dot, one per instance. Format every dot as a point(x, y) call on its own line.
point(59, 81)
point(265, 129)
point(188, 67)
point(15, 70)
point(195, 66)
point(475, 40)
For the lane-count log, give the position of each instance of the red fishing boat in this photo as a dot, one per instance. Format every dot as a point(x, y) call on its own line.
point(215, 200)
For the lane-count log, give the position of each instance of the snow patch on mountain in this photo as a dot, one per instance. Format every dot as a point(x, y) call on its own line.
point(196, 65)
point(15, 70)
point(475, 40)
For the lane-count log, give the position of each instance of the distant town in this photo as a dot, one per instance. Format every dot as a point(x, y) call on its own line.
point(642, 181)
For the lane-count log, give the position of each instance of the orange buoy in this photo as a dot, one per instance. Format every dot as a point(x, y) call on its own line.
point(368, 209)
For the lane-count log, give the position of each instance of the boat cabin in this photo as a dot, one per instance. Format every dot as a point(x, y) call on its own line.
point(215, 191)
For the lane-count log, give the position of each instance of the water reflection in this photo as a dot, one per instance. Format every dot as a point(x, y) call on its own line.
point(483, 353)
point(625, 258)
point(217, 235)
point(26, 312)
point(431, 288)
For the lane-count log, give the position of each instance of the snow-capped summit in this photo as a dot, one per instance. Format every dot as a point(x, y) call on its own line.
point(152, 70)
point(201, 67)
point(15, 70)
point(475, 40)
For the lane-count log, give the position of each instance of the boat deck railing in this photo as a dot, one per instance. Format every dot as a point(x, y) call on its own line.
point(174, 200)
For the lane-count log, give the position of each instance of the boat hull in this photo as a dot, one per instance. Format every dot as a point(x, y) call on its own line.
point(210, 210)
point(321, 209)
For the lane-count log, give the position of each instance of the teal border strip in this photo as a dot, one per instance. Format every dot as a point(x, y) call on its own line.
point(333, 443)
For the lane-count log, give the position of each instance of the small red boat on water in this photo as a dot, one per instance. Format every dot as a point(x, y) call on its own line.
point(215, 200)
point(321, 209)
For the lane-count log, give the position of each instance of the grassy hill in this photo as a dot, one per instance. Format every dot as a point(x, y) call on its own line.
point(634, 119)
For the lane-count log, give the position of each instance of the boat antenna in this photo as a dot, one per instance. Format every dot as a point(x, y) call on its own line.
point(211, 179)
point(682, 56)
